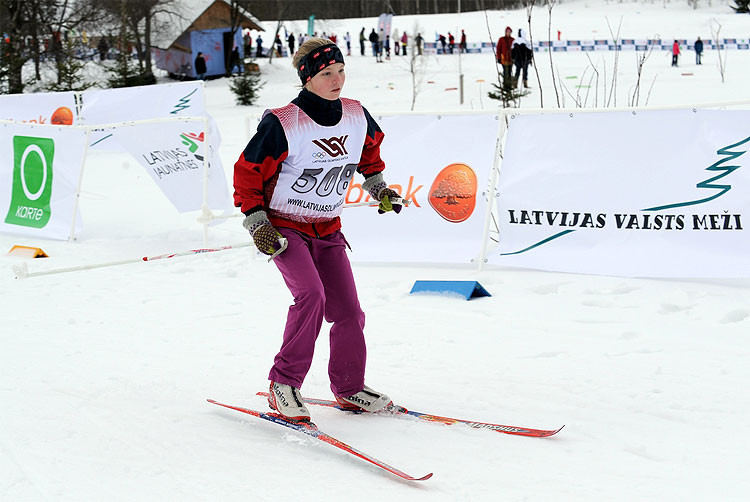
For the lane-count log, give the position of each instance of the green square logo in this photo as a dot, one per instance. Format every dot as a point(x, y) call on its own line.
point(32, 181)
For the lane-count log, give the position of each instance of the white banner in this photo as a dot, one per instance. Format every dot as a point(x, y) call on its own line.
point(172, 153)
point(184, 99)
point(107, 106)
point(110, 106)
point(441, 165)
point(651, 194)
point(40, 169)
point(48, 108)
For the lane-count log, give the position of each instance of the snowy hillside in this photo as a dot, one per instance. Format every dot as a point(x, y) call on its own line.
point(104, 374)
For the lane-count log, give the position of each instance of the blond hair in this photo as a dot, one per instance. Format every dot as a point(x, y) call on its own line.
point(306, 48)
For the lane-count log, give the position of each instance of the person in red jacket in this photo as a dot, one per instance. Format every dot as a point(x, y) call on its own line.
point(503, 56)
point(291, 182)
point(675, 52)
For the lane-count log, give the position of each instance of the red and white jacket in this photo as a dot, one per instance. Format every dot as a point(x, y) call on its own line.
point(300, 163)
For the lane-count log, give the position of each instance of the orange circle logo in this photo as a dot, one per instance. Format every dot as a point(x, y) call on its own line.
point(453, 194)
point(62, 116)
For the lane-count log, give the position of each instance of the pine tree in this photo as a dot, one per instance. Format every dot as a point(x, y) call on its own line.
point(246, 86)
point(507, 95)
point(69, 68)
point(741, 6)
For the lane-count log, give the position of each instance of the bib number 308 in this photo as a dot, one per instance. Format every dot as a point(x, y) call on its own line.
point(337, 178)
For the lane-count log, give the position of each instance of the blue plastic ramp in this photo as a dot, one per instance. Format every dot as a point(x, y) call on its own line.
point(467, 289)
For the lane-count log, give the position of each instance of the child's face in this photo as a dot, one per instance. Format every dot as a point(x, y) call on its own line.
point(328, 83)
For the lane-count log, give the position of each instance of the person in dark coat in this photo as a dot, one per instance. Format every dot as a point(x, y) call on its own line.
point(521, 53)
point(103, 47)
point(235, 61)
point(698, 45)
point(258, 47)
point(200, 66)
point(374, 40)
point(418, 41)
point(441, 38)
point(451, 42)
point(462, 43)
point(291, 41)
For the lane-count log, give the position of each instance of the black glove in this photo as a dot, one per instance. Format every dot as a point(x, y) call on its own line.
point(267, 239)
point(389, 199)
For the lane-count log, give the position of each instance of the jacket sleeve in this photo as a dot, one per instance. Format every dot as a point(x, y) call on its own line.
point(258, 163)
point(370, 163)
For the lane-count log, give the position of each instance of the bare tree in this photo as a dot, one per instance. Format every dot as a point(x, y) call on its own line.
point(282, 9)
point(640, 62)
point(550, 5)
point(137, 19)
point(529, 10)
point(417, 66)
point(616, 40)
point(238, 8)
point(715, 30)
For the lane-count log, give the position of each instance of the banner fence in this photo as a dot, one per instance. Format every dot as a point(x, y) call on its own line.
point(650, 192)
point(165, 128)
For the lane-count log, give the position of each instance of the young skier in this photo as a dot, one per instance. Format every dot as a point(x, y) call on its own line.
point(290, 182)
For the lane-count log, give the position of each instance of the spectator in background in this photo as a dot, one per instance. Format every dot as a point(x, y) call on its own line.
point(279, 46)
point(375, 45)
point(675, 52)
point(387, 47)
point(103, 48)
point(698, 46)
point(348, 40)
point(521, 54)
point(462, 43)
point(200, 66)
point(235, 61)
point(396, 42)
point(362, 42)
point(441, 38)
point(504, 57)
point(451, 42)
point(291, 41)
point(248, 41)
point(404, 42)
point(258, 47)
point(419, 41)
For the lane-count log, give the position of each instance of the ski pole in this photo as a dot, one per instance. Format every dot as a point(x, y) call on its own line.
point(372, 203)
point(22, 271)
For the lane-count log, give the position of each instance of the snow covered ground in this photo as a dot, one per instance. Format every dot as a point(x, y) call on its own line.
point(104, 373)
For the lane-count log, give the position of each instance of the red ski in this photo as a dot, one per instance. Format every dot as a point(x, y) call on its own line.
point(400, 410)
point(312, 430)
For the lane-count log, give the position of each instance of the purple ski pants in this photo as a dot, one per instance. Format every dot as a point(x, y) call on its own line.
point(319, 276)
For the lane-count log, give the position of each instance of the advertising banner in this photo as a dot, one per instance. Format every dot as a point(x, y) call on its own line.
point(40, 168)
point(172, 153)
point(48, 108)
point(184, 99)
point(107, 106)
point(111, 106)
point(441, 165)
point(384, 27)
point(650, 194)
